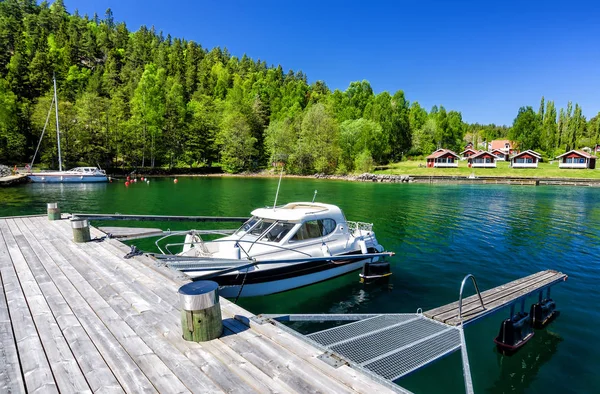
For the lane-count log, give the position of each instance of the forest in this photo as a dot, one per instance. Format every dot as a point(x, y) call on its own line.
point(144, 100)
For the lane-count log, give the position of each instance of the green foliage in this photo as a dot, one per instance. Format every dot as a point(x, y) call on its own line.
point(142, 99)
point(526, 129)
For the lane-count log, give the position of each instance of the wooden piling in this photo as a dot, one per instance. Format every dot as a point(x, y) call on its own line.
point(81, 230)
point(200, 311)
point(53, 211)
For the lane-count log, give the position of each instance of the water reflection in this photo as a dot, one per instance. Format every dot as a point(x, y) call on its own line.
point(518, 371)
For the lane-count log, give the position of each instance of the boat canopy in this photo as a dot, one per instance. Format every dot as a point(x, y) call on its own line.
point(299, 211)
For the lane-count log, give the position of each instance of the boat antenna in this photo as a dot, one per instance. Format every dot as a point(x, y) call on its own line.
point(42, 136)
point(314, 196)
point(278, 184)
point(57, 129)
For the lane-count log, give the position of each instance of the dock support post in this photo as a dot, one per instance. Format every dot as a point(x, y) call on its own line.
point(53, 211)
point(81, 230)
point(200, 311)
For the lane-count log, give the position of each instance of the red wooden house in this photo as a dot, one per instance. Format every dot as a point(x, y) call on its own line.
point(525, 159)
point(442, 158)
point(576, 159)
point(483, 159)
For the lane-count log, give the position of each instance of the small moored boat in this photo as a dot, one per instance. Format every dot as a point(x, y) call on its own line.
point(75, 175)
point(279, 249)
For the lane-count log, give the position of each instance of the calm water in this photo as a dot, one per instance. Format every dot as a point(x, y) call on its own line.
point(439, 234)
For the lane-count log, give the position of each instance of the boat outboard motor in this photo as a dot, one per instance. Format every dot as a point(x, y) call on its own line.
point(373, 271)
point(543, 313)
point(514, 333)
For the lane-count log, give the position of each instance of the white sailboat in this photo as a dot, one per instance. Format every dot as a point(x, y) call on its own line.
point(74, 175)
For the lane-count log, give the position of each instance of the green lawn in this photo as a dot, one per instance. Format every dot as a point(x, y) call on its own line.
point(545, 170)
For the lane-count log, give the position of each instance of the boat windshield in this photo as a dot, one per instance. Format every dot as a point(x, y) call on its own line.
point(247, 226)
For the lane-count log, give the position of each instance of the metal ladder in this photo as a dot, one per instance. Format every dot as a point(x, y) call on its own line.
point(463, 342)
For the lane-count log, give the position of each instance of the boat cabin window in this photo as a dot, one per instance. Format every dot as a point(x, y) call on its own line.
point(278, 231)
point(314, 229)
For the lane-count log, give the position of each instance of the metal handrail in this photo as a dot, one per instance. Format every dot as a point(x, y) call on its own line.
point(462, 285)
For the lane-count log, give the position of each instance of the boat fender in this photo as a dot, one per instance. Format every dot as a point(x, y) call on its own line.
point(363, 246)
point(325, 250)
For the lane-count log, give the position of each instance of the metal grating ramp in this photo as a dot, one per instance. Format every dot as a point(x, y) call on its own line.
point(391, 345)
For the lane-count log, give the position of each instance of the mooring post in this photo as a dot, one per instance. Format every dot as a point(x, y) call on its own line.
point(53, 211)
point(81, 230)
point(200, 311)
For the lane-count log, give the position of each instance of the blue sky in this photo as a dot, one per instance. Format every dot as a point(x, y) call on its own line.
point(485, 59)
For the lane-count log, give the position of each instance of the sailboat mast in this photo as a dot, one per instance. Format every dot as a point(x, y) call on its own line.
point(57, 129)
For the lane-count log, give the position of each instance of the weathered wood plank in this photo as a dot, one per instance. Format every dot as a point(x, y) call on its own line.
point(66, 371)
point(11, 378)
point(497, 293)
point(132, 362)
point(506, 301)
point(129, 300)
point(244, 356)
point(34, 364)
point(284, 366)
point(474, 299)
point(346, 375)
point(495, 298)
point(97, 373)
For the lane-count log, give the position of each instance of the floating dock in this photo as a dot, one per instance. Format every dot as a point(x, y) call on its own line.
point(11, 180)
point(78, 317)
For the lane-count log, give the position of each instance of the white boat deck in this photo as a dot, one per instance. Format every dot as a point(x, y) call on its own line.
point(81, 318)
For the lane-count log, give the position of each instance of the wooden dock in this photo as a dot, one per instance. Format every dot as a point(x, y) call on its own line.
point(81, 318)
point(495, 299)
point(11, 180)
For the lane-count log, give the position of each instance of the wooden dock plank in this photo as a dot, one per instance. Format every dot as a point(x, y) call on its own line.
point(120, 319)
point(496, 298)
point(11, 379)
point(133, 296)
point(34, 364)
point(67, 373)
point(90, 360)
point(155, 362)
point(166, 330)
point(474, 299)
point(346, 375)
point(115, 340)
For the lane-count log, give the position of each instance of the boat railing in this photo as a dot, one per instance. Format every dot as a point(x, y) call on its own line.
point(239, 242)
point(359, 226)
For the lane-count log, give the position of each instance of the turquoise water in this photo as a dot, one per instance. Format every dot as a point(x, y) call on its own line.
point(439, 233)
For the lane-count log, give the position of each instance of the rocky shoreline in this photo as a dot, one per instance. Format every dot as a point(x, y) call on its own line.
point(368, 177)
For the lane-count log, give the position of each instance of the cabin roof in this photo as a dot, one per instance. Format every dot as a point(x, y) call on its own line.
point(298, 211)
point(577, 152)
point(468, 150)
point(440, 153)
point(529, 152)
point(483, 153)
point(500, 144)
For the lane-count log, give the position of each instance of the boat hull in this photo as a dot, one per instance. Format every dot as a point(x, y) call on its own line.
point(58, 178)
point(270, 281)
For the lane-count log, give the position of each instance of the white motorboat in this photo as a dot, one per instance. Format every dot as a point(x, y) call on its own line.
point(279, 249)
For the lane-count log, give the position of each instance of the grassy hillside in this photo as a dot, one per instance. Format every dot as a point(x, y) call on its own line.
point(545, 170)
